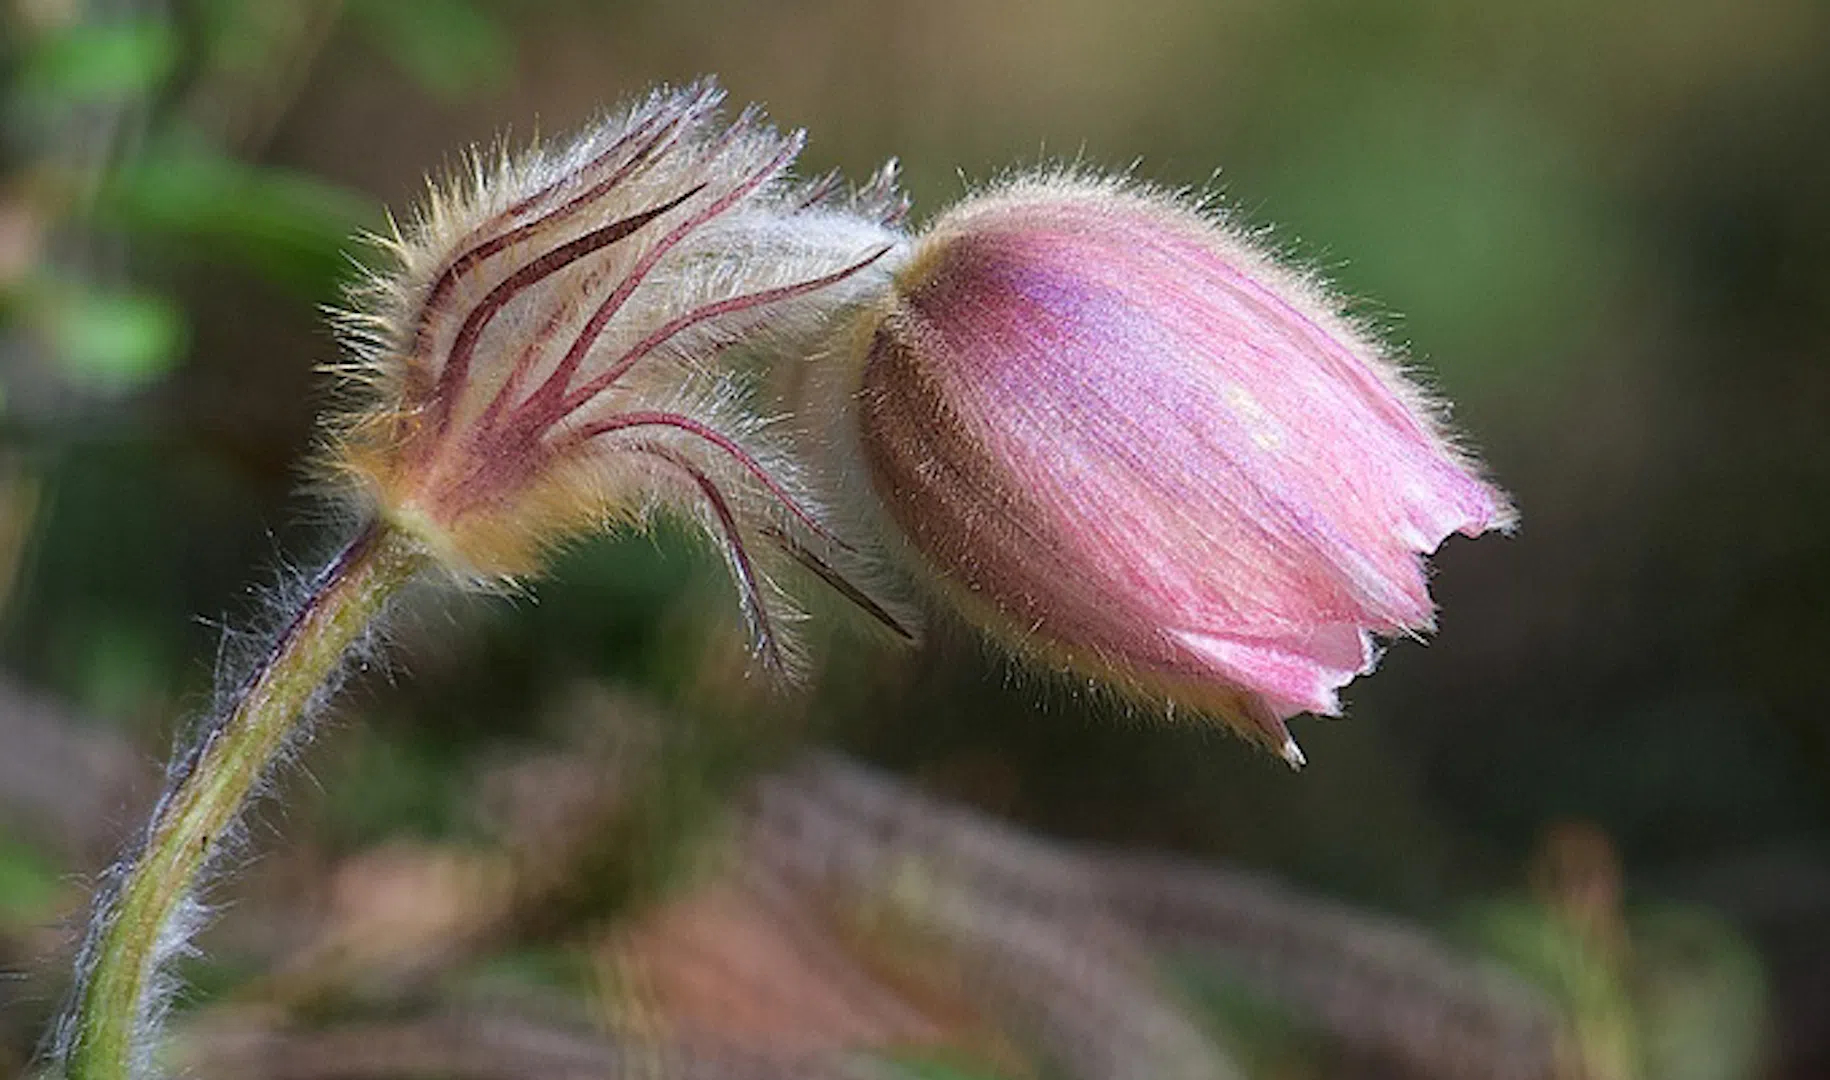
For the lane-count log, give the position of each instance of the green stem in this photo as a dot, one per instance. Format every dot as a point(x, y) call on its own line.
point(109, 1030)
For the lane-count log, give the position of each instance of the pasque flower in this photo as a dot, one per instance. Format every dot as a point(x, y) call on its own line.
point(1105, 424)
point(1121, 437)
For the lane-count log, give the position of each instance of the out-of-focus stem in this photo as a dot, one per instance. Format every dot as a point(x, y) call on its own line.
point(110, 1036)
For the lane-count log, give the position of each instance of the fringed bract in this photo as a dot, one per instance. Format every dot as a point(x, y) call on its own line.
point(553, 350)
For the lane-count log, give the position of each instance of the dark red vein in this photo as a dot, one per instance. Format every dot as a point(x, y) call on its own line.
point(474, 256)
point(744, 569)
point(731, 305)
point(555, 385)
point(838, 582)
point(457, 365)
point(632, 420)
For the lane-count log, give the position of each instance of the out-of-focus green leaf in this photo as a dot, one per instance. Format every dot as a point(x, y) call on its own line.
point(28, 883)
point(1685, 1001)
point(912, 1068)
point(1584, 977)
point(96, 61)
point(1262, 1035)
point(1532, 941)
point(289, 226)
point(247, 35)
point(124, 667)
point(112, 340)
point(395, 786)
point(451, 47)
point(562, 968)
point(1466, 217)
point(1701, 990)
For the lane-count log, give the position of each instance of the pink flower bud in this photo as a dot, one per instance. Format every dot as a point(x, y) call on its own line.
point(1128, 441)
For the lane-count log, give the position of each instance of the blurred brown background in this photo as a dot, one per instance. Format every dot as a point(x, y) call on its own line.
point(1600, 228)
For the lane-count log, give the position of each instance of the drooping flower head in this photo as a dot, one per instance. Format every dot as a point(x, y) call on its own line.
point(1119, 436)
point(553, 349)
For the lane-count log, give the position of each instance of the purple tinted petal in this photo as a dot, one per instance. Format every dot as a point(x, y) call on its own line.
point(1124, 433)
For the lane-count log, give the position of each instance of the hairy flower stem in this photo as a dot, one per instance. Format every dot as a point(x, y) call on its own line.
point(110, 1033)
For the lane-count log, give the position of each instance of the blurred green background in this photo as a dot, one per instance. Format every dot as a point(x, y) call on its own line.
point(1601, 228)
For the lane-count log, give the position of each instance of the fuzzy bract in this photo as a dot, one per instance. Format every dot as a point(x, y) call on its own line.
point(1120, 437)
point(559, 345)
